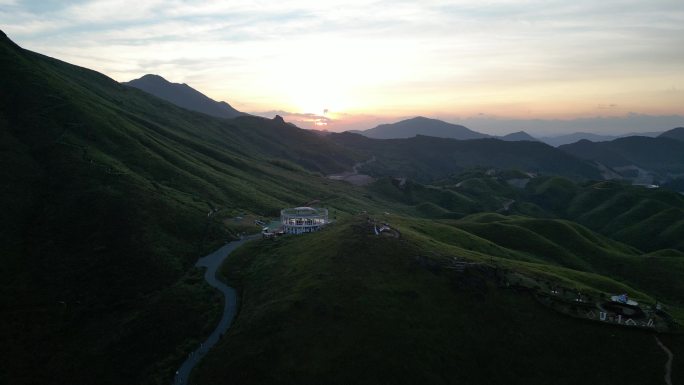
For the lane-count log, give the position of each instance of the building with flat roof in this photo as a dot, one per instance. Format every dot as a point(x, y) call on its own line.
point(300, 220)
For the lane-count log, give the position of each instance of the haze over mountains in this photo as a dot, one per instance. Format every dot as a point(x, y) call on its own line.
point(434, 127)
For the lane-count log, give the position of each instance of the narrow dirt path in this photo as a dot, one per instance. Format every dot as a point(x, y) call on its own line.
point(668, 364)
point(212, 262)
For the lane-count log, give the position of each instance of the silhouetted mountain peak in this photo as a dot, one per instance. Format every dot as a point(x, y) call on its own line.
point(518, 136)
point(421, 125)
point(4, 39)
point(182, 95)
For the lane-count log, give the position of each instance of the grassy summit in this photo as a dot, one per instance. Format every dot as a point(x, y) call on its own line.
point(345, 306)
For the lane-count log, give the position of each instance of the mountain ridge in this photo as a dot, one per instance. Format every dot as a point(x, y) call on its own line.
point(518, 136)
point(421, 125)
point(675, 133)
point(184, 96)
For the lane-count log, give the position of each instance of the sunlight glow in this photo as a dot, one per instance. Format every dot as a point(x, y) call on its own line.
point(359, 59)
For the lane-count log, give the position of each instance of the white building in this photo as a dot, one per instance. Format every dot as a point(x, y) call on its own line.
point(300, 220)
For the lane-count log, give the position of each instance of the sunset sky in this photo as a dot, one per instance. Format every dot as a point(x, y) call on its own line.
point(367, 62)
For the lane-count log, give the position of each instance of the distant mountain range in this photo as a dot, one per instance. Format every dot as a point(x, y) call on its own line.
point(433, 127)
point(184, 96)
point(577, 136)
point(421, 126)
point(440, 129)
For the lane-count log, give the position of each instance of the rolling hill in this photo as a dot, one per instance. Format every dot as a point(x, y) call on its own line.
point(421, 126)
point(648, 219)
point(345, 306)
point(184, 96)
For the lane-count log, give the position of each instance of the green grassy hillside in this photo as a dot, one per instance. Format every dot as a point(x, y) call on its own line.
point(649, 219)
point(345, 306)
point(568, 244)
point(110, 195)
point(106, 199)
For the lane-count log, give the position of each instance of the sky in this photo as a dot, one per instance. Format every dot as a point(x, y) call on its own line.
point(336, 65)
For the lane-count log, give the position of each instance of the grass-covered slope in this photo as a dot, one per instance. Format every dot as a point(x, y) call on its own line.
point(105, 199)
point(345, 306)
point(567, 244)
point(649, 219)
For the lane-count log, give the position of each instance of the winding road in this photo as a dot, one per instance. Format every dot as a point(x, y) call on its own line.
point(668, 364)
point(212, 262)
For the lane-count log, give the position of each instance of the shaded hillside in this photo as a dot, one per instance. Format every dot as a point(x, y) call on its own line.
point(344, 306)
point(426, 158)
point(109, 196)
point(421, 126)
point(661, 156)
point(184, 96)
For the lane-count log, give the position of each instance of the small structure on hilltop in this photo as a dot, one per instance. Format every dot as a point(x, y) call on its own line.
point(623, 299)
point(300, 220)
